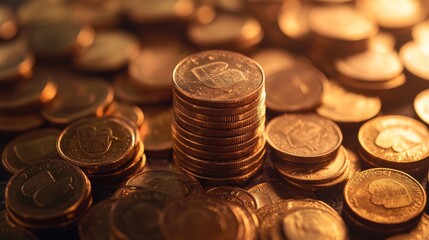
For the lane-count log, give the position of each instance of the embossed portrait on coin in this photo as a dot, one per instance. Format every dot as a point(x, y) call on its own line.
point(389, 194)
point(217, 75)
point(398, 139)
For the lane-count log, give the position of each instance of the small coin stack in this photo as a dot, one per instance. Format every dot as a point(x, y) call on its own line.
point(395, 142)
point(383, 201)
point(107, 149)
point(46, 195)
point(219, 115)
point(307, 151)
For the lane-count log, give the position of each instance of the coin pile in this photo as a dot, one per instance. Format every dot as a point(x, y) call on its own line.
point(307, 151)
point(47, 195)
point(383, 201)
point(107, 149)
point(395, 142)
point(219, 115)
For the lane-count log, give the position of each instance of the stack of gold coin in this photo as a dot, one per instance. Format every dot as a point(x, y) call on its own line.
point(314, 218)
point(219, 115)
point(383, 201)
point(414, 56)
point(395, 142)
point(46, 195)
point(307, 151)
point(336, 30)
point(360, 72)
point(107, 149)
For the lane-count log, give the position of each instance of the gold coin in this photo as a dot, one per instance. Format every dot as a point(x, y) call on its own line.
point(156, 131)
point(78, 98)
point(396, 141)
point(39, 13)
point(128, 111)
point(341, 23)
point(373, 88)
point(313, 223)
point(234, 194)
point(153, 68)
point(293, 20)
point(48, 191)
point(226, 31)
point(28, 95)
point(420, 106)
point(314, 174)
point(20, 123)
point(269, 193)
point(420, 32)
point(385, 196)
point(30, 148)
point(111, 50)
point(60, 40)
point(146, 12)
point(298, 138)
point(415, 55)
point(421, 231)
point(95, 223)
point(182, 215)
point(396, 14)
point(97, 145)
point(129, 212)
point(295, 89)
point(174, 184)
point(364, 66)
point(218, 79)
point(8, 24)
point(353, 107)
point(126, 92)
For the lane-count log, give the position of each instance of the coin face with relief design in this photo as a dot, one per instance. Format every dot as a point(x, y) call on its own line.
point(307, 137)
point(97, 144)
point(46, 190)
point(385, 196)
point(395, 139)
point(219, 78)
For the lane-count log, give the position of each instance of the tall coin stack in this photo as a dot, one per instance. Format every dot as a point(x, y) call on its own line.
point(219, 116)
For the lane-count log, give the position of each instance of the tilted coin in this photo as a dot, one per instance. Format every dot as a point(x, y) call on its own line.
point(97, 144)
point(299, 138)
point(17, 61)
point(174, 184)
point(156, 131)
point(218, 78)
point(295, 89)
point(95, 224)
point(209, 217)
point(384, 196)
point(47, 192)
point(111, 50)
point(420, 106)
point(28, 95)
point(8, 24)
point(30, 148)
point(128, 111)
point(153, 68)
point(128, 214)
point(414, 57)
point(353, 107)
point(313, 223)
point(268, 193)
point(395, 141)
point(78, 98)
point(234, 194)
